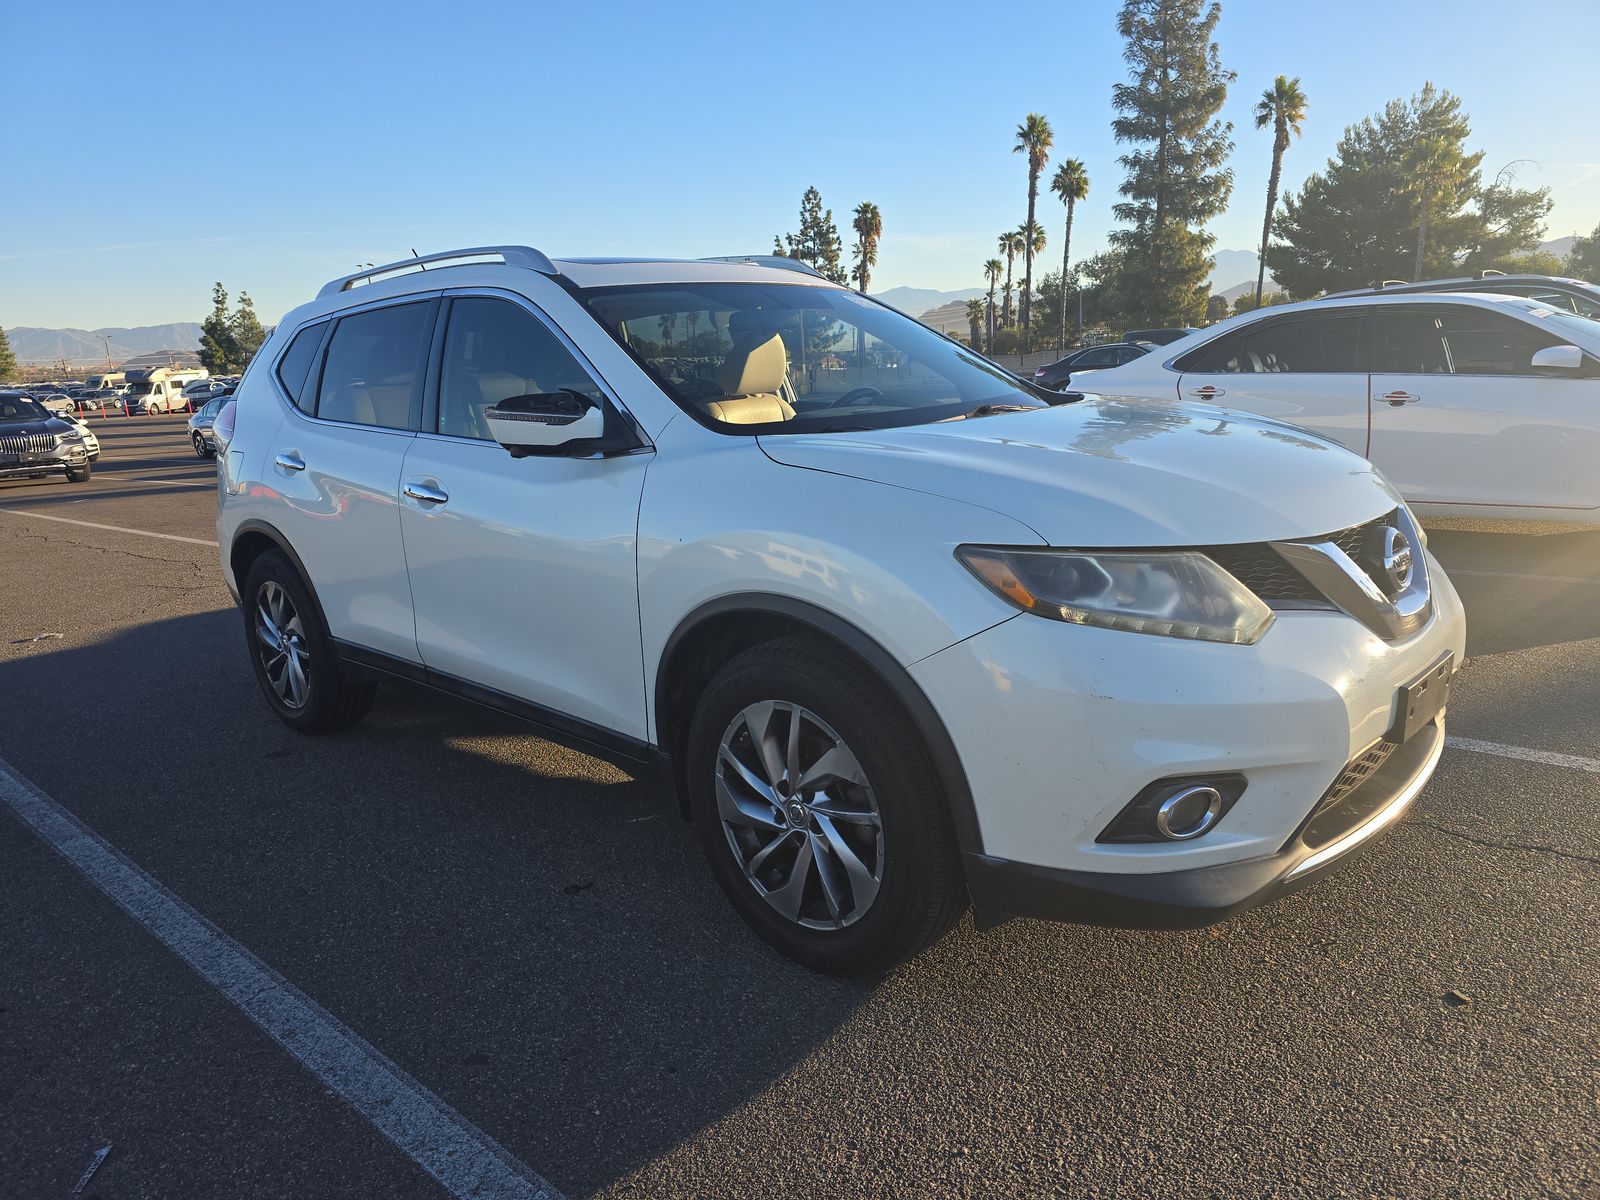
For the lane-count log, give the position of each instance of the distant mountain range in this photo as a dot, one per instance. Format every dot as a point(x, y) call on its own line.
point(916, 301)
point(89, 346)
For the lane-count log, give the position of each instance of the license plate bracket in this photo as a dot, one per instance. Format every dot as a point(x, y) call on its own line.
point(1421, 700)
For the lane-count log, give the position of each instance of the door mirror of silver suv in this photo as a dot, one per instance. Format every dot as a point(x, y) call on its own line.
point(1558, 360)
point(547, 423)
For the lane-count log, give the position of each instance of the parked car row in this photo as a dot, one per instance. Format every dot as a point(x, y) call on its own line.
point(142, 392)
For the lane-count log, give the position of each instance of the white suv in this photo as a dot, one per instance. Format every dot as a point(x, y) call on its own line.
point(894, 631)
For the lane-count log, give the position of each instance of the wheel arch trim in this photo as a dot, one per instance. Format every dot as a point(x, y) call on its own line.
point(861, 645)
point(255, 526)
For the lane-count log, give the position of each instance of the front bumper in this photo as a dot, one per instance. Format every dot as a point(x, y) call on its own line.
point(1058, 727)
point(1188, 899)
point(54, 465)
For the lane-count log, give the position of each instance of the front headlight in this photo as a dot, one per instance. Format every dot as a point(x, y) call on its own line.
point(1173, 593)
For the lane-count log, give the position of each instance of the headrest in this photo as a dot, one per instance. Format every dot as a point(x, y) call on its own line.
point(750, 410)
point(754, 368)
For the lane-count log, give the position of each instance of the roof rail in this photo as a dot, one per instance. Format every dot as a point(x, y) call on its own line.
point(514, 256)
point(1491, 273)
point(1384, 283)
point(779, 262)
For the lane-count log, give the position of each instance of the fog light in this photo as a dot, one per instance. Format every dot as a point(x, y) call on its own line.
point(1189, 813)
point(1176, 810)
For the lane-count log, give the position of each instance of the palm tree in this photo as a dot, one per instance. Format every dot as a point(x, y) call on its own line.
point(1282, 106)
point(975, 322)
point(1034, 139)
point(1430, 159)
point(1032, 236)
point(869, 228)
point(1070, 184)
point(1010, 245)
point(992, 269)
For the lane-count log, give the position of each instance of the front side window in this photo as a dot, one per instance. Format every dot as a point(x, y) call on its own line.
point(373, 364)
point(1453, 341)
point(494, 350)
point(769, 357)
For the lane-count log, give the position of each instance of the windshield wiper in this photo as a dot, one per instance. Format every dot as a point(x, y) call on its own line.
point(988, 410)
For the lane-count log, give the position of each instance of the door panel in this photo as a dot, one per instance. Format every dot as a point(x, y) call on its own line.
point(524, 576)
point(340, 512)
point(1307, 369)
point(1459, 418)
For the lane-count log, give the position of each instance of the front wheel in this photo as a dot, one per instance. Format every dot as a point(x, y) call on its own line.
point(79, 474)
point(292, 654)
point(820, 811)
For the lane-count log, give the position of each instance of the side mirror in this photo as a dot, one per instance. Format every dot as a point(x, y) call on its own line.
point(1558, 360)
point(549, 424)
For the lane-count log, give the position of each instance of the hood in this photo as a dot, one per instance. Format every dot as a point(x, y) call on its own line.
point(1103, 472)
point(53, 425)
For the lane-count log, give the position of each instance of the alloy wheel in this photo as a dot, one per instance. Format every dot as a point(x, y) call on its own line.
point(800, 815)
point(285, 654)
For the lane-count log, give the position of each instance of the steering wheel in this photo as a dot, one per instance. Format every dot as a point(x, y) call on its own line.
point(860, 395)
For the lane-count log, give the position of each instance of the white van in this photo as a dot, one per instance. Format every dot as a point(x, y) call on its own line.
point(160, 389)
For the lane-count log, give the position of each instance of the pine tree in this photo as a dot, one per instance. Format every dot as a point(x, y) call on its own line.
point(1382, 209)
point(818, 241)
point(219, 351)
point(247, 333)
point(1176, 179)
point(8, 359)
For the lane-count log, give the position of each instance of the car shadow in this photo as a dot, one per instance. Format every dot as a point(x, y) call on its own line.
point(529, 931)
point(1523, 590)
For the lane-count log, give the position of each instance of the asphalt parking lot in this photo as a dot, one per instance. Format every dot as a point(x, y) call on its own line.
point(533, 938)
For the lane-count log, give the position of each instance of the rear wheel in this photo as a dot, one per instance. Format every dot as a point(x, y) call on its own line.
point(293, 656)
point(200, 448)
point(820, 811)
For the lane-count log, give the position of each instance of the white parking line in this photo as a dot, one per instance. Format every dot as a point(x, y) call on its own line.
point(1549, 758)
point(1454, 571)
point(170, 537)
point(467, 1161)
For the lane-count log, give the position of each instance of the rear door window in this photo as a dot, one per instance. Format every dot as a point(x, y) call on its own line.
point(1309, 344)
point(374, 366)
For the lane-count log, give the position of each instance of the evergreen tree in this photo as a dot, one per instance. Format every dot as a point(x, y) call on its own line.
point(818, 241)
point(1176, 178)
point(1401, 197)
point(8, 359)
point(1583, 262)
point(247, 332)
point(218, 349)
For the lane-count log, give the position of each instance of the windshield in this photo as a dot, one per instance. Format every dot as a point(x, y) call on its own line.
point(764, 358)
point(1587, 329)
point(20, 408)
point(140, 389)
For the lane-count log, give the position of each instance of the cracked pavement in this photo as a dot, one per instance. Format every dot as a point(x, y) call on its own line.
point(533, 935)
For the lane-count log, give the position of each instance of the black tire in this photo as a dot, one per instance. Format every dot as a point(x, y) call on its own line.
point(922, 892)
point(200, 448)
point(79, 474)
point(333, 700)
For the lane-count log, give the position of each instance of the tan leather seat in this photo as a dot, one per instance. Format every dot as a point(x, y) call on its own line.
point(752, 376)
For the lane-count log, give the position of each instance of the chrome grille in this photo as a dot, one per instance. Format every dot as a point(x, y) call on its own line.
point(22, 443)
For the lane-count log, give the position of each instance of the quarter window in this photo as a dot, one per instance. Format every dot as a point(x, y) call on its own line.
point(495, 350)
point(296, 363)
point(373, 365)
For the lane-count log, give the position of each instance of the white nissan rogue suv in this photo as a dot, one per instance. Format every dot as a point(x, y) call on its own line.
point(897, 633)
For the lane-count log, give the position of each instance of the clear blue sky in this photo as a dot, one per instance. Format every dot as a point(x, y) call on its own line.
point(158, 147)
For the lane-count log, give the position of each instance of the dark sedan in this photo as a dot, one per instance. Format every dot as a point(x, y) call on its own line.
point(1091, 358)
